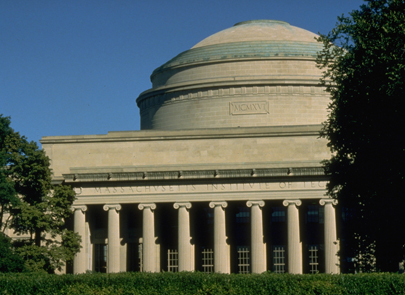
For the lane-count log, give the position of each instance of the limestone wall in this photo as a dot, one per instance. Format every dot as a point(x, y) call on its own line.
point(295, 146)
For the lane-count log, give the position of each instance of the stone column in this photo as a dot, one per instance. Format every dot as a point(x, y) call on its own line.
point(331, 244)
point(186, 250)
point(80, 260)
point(258, 248)
point(294, 243)
point(221, 248)
point(148, 236)
point(113, 254)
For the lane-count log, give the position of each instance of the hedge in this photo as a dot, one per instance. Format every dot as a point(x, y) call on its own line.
point(200, 283)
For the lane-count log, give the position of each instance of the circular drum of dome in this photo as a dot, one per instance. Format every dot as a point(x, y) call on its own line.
point(256, 73)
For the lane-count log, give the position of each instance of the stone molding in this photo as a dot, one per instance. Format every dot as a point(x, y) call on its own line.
point(82, 208)
point(177, 205)
point(241, 51)
point(116, 207)
point(258, 91)
point(197, 174)
point(306, 171)
point(223, 204)
point(162, 175)
point(234, 173)
point(324, 202)
point(259, 203)
point(142, 206)
point(122, 176)
point(193, 174)
point(297, 203)
point(158, 135)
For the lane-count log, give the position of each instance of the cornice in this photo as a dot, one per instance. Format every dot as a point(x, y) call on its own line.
point(193, 174)
point(265, 86)
point(214, 133)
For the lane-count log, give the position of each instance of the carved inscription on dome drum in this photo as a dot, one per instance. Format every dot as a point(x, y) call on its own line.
point(249, 107)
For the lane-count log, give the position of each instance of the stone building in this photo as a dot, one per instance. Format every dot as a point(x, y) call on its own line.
point(225, 174)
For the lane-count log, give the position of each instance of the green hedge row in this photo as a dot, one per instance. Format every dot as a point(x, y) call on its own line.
point(199, 283)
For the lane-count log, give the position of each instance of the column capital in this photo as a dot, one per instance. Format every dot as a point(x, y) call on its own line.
point(259, 203)
point(142, 206)
point(323, 202)
point(116, 207)
point(292, 202)
point(178, 205)
point(214, 204)
point(82, 208)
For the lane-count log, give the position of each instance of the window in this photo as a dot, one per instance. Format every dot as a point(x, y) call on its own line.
point(243, 216)
point(313, 259)
point(278, 214)
point(279, 259)
point(172, 260)
point(100, 258)
point(208, 260)
point(243, 260)
point(315, 214)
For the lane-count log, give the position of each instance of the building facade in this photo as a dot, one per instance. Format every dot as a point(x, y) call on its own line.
point(225, 175)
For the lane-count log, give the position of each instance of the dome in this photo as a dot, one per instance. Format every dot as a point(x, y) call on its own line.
point(250, 69)
point(250, 39)
point(259, 30)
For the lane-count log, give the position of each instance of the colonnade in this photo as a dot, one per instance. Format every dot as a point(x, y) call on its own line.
point(221, 248)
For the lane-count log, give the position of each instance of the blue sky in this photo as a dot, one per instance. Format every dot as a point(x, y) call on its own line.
point(75, 67)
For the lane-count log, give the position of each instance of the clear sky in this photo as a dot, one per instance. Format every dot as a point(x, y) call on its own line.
point(75, 67)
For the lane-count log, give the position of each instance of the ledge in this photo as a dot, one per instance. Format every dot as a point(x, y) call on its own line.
point(214, 133)
point(193, 174)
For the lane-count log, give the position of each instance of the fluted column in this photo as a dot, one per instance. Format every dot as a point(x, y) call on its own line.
point(294, 242)
point(258, 248)
point(113, 254)
point(331, 244)
point(149, 246)
point(221, 248)
point(186, 250)
point(79, 262)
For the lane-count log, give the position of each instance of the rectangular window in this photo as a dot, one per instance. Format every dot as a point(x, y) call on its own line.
point(313, 259)
point(279, 259)
point(243, 216)
point(209, 215)
point(208, 260)
point(100, 258)
point(134, 257)
point(278, 214)
point(315, 214)
point(172, 260)
point(243, 260)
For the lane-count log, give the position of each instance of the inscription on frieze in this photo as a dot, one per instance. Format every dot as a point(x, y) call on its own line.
point(249, 107)
point(201, 188)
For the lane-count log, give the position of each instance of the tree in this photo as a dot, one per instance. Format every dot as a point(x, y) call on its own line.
point(364, 71)
point(8, 195)
point(33, 205)
point(9, 260)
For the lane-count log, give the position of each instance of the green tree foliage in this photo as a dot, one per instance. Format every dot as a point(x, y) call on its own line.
point(364, 71)
point(9, 260)
point(34, 206)
point(8, 195)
